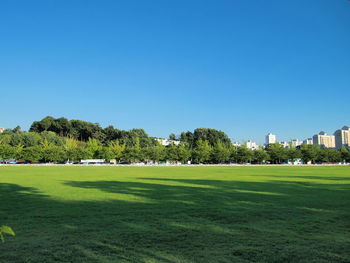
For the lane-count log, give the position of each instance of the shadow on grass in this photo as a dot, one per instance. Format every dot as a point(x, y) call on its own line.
point(182, 221)
point(315, 178)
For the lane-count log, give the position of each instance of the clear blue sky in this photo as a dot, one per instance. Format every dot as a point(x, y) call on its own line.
point(245, 67)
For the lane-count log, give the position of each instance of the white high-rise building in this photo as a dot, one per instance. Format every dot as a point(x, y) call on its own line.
point(295, 143)
point(342, 138)
point(324, 140)
point(2, 130)
point(308, 141)
point(251, 145)
point(270, 139)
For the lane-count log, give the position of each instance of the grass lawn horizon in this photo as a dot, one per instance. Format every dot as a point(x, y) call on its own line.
point(176, 214)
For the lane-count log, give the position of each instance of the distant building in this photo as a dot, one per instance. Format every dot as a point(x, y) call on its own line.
point(285, 144)
point(342, 138)
point(324, 140)
point(295, 143)
point(308, 141)
point(236, 144)
point(2, 130)
point(251, 145)
point(270, 138)
point(166, 142)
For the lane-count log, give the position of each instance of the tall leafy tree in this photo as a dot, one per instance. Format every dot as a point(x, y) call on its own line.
point(155, 153)
point(243, 155)
point(43, 125)
point(333, 155)
point(52, 153)
point(202, 152)
point(31, 154)
point(134, 153)
point(7, 152)
point(184, 152)
point(211, 135)
point(309, 153)
point(294, 153)
point(188, 138)
point(172, 153)
point(53, 138)
point(259, 156)
point(172, 136)
point(277, 153)
point(220, 153)
point(345, 155)
point(93, 148)
point(116, 150)
point(75, 150)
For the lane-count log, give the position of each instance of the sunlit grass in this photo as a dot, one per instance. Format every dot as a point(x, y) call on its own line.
point(176, 214)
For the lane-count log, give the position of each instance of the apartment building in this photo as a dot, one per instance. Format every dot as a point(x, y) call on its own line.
point(324, 140)
point(308, 141)
point(342, 137)
point(251, 145)
point(270, 139)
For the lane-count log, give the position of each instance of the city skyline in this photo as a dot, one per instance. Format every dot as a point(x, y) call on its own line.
point(260, 141)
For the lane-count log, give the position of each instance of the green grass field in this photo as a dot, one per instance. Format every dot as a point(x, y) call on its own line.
point(176, 214)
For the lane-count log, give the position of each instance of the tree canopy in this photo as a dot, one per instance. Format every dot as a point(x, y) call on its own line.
point(61, 140)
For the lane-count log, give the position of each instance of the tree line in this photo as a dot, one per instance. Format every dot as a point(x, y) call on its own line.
point(61, 140)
